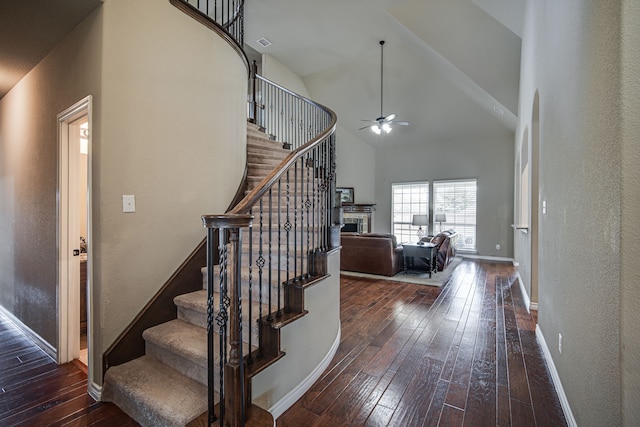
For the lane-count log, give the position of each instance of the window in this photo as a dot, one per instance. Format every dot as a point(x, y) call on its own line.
point(407, 200)
point(457, 200)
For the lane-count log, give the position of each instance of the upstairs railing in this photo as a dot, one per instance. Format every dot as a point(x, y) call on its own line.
point(229, 14)
point(226, 17)
point(278, 111)
point(269, 246)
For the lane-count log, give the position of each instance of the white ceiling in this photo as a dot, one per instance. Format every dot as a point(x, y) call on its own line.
point(29, 29)
point(451, 66)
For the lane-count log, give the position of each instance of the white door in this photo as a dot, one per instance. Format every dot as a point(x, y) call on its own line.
point(74, 222)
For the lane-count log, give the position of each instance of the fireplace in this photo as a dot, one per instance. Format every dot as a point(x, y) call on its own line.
point(350, 227)
point(358, 218)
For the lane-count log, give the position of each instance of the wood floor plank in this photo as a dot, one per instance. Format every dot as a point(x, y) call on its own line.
point(451, 417)
point(413, 407)
point(485, 367)
point(409, 355)
point(40, 393)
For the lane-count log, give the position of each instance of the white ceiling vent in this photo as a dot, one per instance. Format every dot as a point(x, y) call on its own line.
point(264, 42)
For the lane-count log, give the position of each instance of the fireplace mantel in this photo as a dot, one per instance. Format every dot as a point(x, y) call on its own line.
point(360, 214)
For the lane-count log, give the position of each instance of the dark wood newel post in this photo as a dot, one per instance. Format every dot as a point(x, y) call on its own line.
point(234, 368)
point(233, 408)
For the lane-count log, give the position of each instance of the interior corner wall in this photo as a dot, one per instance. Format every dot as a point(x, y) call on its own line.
point(356, 166)
point(172, 133)
point(571, 55)
point(279, 73)
point(630, 231)
point(489, 160)
point(29, 174)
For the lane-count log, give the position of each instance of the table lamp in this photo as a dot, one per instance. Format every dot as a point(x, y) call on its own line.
point(440, 217)
point(420, 220)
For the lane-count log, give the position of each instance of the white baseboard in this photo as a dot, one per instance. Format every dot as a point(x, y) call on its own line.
point(485, 257)
point(533, 306)
point(525, 295)
point(557, 384)
point(37, 339)
point(292, 397)
point(95, 391)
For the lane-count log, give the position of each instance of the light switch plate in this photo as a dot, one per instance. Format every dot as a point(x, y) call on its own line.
point(544, 207)
point(128, 203)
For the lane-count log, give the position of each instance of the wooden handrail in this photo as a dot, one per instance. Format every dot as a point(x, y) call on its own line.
point(205, 20)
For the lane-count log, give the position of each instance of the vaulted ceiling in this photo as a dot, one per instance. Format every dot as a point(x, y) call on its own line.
point(451, 67)
point(29, 29)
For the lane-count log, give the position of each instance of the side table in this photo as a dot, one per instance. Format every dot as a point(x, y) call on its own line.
point(427, 251)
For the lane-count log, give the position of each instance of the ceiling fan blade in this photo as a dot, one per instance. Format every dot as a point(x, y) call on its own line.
point(365, 127)
point(401, 123)
point(371, 121)
point(389, 118)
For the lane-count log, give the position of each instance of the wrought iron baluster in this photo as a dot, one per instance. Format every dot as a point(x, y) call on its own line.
point(279, 312)
point(269, 317)
point(210, 325)
point(250, 308)
point(295, 221)
point(287, 228)
point(261, 263)
point(307, 204)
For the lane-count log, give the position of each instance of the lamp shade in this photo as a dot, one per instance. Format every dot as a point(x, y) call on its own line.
point(440, 217)
point(420, 220)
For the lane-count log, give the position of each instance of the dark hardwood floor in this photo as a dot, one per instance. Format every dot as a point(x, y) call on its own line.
point(410, 355)
point(34, 391)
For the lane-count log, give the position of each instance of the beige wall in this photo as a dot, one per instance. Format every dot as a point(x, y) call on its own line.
point(169, 126)
point(28, 174)
point(489, 161)
point(630, 241)
point(307, 343)
point(356, 165)
point(571, 56)
point(279, 73)
point(172, 133)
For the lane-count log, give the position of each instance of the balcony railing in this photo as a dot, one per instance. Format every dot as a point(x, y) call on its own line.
point(223, 16)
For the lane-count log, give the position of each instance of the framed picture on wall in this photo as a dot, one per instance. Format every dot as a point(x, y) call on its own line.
point(346, 194)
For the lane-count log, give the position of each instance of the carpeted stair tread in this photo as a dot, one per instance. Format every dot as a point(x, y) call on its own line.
point(153, 394)
point(192, 308)
point(180, 337)
point(182, 346)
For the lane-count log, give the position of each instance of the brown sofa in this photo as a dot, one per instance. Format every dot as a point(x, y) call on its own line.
point(370, 253)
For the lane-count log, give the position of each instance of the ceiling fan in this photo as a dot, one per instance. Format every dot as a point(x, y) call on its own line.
point(383, 123)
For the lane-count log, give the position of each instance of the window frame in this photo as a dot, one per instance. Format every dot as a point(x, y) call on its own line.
point(406, 231)
point(459, 222)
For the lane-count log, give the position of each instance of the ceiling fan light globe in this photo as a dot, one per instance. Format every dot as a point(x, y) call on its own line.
point(386, 127)
point(376, 129)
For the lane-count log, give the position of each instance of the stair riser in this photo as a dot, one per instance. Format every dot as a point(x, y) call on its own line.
point(200, 319)
point(255, 289)
point(192, 368)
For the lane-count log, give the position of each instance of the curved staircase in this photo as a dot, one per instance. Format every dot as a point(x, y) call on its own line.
point(261, 256)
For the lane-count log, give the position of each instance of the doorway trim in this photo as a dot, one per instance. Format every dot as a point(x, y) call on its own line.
point(68, 304)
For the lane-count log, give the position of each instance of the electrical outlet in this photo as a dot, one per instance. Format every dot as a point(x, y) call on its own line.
point(560, 343)
point(128, 203)
point(497, 247)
